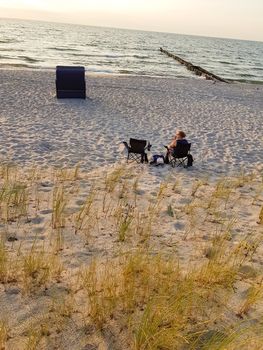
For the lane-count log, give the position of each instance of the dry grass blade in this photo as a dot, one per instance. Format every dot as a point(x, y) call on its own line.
point(4, 330)
point(58, 205)
point(260, 216)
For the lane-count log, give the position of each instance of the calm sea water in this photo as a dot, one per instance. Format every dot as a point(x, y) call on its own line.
point(32, 44)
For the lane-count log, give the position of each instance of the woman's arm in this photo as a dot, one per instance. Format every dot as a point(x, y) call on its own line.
point(173, 143)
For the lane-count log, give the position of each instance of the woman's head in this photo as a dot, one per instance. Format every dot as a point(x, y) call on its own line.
point(180, 134)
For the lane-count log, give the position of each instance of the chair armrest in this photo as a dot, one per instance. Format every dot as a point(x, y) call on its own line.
point(126, 145)
point(148, 147)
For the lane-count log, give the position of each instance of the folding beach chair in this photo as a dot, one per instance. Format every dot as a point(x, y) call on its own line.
point(137, 150)
point(181, 155)
point(70, 82)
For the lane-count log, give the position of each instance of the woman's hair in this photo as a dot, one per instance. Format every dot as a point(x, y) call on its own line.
point(181, 133)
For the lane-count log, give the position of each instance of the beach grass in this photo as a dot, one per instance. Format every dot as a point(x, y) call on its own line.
point(174, 267)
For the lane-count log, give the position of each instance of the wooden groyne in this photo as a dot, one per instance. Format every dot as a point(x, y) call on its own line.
point(196, 69)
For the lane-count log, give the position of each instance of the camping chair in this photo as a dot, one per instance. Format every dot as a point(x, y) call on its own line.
point(180, 155)
point(136, 150)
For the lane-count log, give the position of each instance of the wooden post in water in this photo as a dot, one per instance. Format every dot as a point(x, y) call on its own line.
point(196, 69)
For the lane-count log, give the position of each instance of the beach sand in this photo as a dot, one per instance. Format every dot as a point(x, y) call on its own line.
point(223, 121)
point(78, 192)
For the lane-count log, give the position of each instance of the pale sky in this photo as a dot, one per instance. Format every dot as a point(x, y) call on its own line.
point(241, 19)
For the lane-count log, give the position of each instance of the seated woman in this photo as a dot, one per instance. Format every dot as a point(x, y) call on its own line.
point(178, 138)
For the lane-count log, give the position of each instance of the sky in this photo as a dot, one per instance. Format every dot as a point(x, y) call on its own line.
point(240, 19)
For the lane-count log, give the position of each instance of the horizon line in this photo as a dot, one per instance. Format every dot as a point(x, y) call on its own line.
point(132, 29)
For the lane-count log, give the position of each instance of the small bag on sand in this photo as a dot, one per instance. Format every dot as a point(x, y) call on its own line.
point(190, 160)
point(157, 159)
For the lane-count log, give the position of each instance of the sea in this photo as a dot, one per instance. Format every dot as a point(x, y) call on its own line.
point(44, 45)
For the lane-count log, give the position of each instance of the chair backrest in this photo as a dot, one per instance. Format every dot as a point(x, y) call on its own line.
point(181, 150)
point(70, 82)
point(137, 146)
point(70, 78)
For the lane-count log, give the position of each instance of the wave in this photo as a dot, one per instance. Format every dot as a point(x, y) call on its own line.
point(247, 75)
point(115, 56)
point(94, 70)
point(141, 48)
point(229, 63)
point(140, 56)
point(9, 41)
point(260, 82)
point(25, 58)
point(91, 45)
point(11, 49)
point(29, 59)
point(124, 71)
point(110, 56)
point(61, 49)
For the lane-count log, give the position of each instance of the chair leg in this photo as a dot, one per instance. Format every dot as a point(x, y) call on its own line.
point(137, 157)
point(172, 162)
point(181, 162)
point(166, 158)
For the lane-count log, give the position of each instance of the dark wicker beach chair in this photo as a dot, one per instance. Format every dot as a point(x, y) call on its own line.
point(181, 155)
point(137, 150)
point(70, 82)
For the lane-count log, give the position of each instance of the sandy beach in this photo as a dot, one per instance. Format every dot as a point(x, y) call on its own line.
point(90, 244)
point(223, 121)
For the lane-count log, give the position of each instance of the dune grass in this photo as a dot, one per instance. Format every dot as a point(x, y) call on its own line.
point(173, 267)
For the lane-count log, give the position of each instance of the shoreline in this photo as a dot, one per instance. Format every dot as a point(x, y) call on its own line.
point(102, 73)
